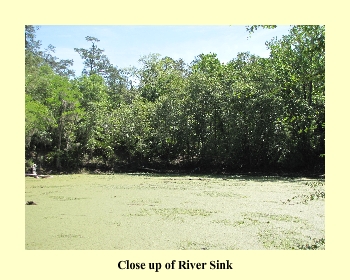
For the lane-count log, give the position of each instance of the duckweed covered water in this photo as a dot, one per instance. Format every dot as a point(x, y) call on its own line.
point(146, 212)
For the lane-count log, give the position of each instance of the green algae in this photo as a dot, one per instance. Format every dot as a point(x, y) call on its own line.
point(145, 212)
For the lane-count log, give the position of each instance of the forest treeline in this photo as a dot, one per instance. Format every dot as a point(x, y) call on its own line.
point(250, 114)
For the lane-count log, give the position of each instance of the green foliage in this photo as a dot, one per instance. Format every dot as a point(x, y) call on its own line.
point(35, 57)
point(252, 28)
point(159, 76)
point(313, 244)
point(37, 120)
point(60, 67)
point(95, 62)
point(132, 123)
point(251, 114)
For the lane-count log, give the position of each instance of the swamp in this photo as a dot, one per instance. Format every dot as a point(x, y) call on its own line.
point(142, 211)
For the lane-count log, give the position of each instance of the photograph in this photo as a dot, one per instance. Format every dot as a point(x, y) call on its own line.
point(174, 137)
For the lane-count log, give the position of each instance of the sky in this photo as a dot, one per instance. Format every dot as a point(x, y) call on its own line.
point(124, 45)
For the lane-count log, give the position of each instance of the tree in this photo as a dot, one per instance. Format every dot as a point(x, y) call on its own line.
point(60, 66)
point(205, 107)
point(252, 28)
point(52, 112)
point(299, 61)
point(96, 107)
point(64, 105)
point(35, 57)
point(95, 62)
point(37, 121)
point(250, 114)
point(31, 44)
point(298, 68)
point(117, 85)
point(133, 130)
point(162, 82)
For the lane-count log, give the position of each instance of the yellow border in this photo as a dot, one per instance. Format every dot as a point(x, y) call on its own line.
point(20, 264)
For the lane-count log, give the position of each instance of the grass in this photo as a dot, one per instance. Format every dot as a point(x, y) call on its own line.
point(143, 211)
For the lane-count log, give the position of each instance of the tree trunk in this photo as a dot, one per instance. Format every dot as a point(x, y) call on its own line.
point(58, 160)
point(309, 99)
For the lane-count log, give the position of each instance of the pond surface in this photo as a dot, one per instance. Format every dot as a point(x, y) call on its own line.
point(151, 212)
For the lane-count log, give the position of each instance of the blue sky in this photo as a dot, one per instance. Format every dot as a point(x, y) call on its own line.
point(124, 45)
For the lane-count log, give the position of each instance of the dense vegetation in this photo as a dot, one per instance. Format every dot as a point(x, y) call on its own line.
point(250, 114)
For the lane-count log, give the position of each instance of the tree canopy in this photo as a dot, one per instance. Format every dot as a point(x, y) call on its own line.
point(250, 114)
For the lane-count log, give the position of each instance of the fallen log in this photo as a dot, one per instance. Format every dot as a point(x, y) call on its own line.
point(38, 176)
point(44, 176)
